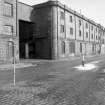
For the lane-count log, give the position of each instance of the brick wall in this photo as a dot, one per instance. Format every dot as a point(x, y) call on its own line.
point(8, 30)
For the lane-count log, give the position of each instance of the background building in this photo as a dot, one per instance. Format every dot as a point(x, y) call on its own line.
point(48, 31)
point(70, 32)
point(8, 30)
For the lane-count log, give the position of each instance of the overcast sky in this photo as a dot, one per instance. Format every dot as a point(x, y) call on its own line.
point(92, 9)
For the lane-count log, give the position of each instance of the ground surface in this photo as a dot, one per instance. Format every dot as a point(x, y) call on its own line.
point(55, 83)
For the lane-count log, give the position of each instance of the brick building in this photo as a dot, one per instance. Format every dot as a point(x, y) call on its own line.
point(49, 30)
point(8, 30)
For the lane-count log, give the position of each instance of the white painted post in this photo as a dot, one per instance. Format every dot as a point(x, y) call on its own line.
point(83, 60)
point(14, 69)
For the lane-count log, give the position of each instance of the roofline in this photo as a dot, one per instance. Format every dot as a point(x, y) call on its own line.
point(59, 4)
point(25, 4)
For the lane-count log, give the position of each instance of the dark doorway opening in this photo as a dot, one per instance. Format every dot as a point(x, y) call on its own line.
point(26, 41)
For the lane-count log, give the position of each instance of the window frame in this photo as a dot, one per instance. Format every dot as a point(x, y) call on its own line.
point(10, 49)
point(86, 26)
point(11, 9)
point(96, 29)
point(71, 19)
point(80, 47)
point(80, 23)
point(92, 36)
point(8, 26)
point(96, 37)
point(80, 33)
point(63, 47)
point(62, 15)
point(71, 31)
point(62, 28)
point(87, 34)
point(92, 27)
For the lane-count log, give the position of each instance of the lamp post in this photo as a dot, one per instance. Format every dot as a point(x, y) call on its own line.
point(14, 68)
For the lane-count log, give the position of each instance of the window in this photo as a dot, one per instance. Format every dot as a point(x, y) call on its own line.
point(10, 49)
point(62, 15)
point(96, 29)
point(91, 27)
point(79, 23)
point(92, 36)
point(86, 34)
point(102, 41)
point(80, 33)
point(99, 37)
point(80, 47)
point(71, 47)
point(86, 25)
point(8, 9)
point(62, 29)
point(63, 47)
point(71, 19)
point(96, 37)
point(71, 31)
point(93, 48)
point(8, 29)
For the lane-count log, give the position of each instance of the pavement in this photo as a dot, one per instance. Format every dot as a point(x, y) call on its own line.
point(58, 60)
point(17, 66)
point(33, 62)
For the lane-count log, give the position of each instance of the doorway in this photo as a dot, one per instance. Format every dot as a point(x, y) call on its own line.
point(26, 40)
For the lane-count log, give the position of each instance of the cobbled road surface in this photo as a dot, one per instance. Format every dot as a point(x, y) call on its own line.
point(54, 83)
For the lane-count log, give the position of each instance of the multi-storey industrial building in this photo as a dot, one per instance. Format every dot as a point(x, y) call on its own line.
point(49, 30)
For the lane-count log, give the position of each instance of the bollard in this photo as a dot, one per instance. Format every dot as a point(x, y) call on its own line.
point(83, 60)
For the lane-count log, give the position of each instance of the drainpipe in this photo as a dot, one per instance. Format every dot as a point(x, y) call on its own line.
point(17, 35)
point(57, 33)
point(65, 27)
point(83, 36)
point(75, 33)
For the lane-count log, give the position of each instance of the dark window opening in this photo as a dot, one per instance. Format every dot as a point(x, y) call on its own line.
point(63, 47)
point(80, 47)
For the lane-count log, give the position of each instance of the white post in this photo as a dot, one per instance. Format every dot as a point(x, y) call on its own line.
point(14, 69)
point(83, 60)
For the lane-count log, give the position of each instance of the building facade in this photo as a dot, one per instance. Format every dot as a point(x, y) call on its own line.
point(70, 32)
point(49, 30)
point(8, 30)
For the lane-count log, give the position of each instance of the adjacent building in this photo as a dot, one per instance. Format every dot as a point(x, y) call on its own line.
point(8, 30)
point(49, 30)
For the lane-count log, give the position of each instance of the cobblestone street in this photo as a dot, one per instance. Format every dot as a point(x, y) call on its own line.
point(86, 89)
point(57, 87)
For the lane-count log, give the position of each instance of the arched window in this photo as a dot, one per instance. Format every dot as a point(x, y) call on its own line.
point(71, 47)
point(80, 47)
